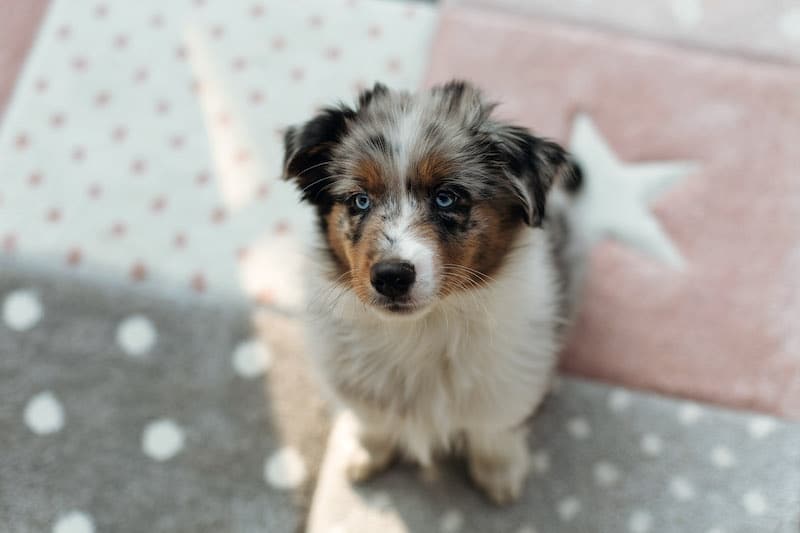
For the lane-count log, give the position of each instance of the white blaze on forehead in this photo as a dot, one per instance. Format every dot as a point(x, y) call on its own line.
point(404, 139)
point(407, 245)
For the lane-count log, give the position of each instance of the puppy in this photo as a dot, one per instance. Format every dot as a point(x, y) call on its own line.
point(437, 302)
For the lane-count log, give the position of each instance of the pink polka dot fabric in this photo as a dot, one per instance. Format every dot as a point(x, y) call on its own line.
point(144, 139)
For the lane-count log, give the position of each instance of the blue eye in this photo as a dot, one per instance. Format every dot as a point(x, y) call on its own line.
point(361, 201)
point(445, 199)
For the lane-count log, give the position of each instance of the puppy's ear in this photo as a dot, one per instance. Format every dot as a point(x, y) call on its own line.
point(308, 150)
point(533, 165)
point(464, 100)
point(366, 97)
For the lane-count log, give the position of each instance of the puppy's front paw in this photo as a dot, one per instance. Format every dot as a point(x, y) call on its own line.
point(499, 463)
point(501, 480)
point(364, 462)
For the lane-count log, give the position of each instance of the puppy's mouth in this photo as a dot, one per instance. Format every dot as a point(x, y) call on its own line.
point(398, 307)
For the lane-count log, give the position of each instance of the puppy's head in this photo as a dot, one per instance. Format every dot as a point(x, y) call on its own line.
point(420, 196)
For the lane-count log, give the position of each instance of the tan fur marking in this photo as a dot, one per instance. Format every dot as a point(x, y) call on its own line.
point(338, 223)
point(364, 257)
point(372, 176)
point(474, 258)
point(430, 169)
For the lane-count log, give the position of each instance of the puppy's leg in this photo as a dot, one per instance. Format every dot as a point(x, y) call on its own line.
point(373, 451)
point(499, 462)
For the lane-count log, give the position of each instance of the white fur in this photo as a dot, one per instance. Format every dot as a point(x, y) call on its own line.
point(408, 246)
point(404, 137)
point(477, 363)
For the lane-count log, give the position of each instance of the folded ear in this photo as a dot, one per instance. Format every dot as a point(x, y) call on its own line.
point(309, 147)
point(366, 97)
point(533, 165)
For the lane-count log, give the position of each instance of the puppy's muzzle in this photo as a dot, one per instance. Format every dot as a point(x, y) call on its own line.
point(393, 279)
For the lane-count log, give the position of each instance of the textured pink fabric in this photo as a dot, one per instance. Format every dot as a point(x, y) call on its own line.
point(726, 329)
point(757, 29)
point(17, 27)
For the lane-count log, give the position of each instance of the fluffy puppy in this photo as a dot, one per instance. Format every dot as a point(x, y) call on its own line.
point(437, 301)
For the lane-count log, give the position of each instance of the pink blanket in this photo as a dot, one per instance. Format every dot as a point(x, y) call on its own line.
point(726, 327)
point(751, 28)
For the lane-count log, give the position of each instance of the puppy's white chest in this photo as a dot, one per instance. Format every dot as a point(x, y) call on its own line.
point(449, 372)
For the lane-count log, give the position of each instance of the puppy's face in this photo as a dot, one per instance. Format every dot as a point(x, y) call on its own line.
point(419, 196)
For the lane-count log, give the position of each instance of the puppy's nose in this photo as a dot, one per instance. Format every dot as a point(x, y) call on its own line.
point(392, 278)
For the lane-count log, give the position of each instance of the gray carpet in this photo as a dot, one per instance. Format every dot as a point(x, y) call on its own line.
point(127, 411)
point(605, 460)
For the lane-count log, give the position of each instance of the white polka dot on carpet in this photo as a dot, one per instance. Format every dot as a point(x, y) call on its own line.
point(74, 522)
point(761, 426)
point(722, 457)
point(690, 413)
point(136, 335)
point(162, 439)
point(251, 358)
point(640, 522)
point(651, 444)
point(606, 474)
point(540, 461)
point(754, 503)
point(681, 488)
point(452, 521)
point(21, 310)
point(619, 400)
point(285, 469)
point(579, 428)
point(568, 508)
point(44, 414)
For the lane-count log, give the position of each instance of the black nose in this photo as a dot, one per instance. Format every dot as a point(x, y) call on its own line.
point(392, 278)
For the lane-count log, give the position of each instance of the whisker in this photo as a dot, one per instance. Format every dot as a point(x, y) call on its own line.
point(470, 270)
point(312, 167)
point(332, 177)
point(323, 296)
